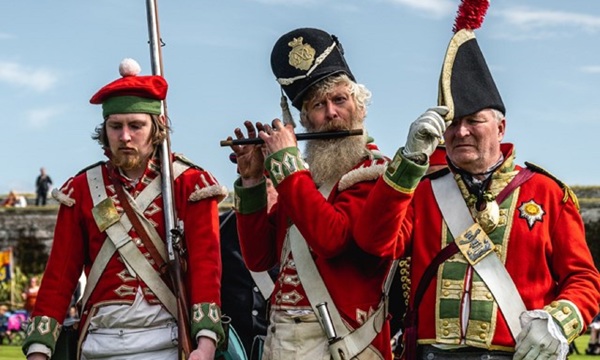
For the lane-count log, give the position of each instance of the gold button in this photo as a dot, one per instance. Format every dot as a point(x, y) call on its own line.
point(446, 292)
point(484, 326)
point(446, 283)
point(575, 324)
point(566, 310)
point(482, 335)
point(446, 332)
point(445, 323)
point(489, 296)
point(554, 304)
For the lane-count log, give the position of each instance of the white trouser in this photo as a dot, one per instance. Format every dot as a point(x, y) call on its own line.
point(137, 331)
point(131, 344)
point(295, 337)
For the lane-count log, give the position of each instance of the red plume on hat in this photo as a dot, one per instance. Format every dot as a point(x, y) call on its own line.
point(466, 83)
point(470, 14)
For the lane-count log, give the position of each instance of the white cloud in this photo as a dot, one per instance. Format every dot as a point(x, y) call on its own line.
point(534, 19)
point(594, 69)
point(436, 8)
point(40, 118)
point(16, 74)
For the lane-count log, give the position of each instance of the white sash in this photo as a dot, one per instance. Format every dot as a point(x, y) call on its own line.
point(489, 267)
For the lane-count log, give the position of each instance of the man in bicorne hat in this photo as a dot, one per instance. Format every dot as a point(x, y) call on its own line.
point(327, 287)
point(500, 268)
point(111, 226)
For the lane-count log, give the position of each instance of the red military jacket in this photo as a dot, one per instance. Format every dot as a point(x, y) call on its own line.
point(540, 239)
point(353, 277)
point(77, 241)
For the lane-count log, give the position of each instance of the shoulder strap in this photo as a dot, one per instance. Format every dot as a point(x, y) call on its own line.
point(448, 213)
point(261, 279)
point(344, 343)
point(139, 228)
point(98, 194)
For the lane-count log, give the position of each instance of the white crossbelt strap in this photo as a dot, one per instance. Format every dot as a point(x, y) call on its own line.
point(350, 343)
point(263, 282)
point(261, 279)
point(491, 270)
point(143, 200)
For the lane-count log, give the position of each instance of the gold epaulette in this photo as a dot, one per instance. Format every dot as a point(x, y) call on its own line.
point(568, 192)
point(185, 160)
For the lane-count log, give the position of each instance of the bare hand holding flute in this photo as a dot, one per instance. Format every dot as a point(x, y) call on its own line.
point(325, 135)
point(250, 159)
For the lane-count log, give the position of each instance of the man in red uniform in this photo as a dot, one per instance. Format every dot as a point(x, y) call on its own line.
point(128, 310)
point(324, 279)
point(500, 268)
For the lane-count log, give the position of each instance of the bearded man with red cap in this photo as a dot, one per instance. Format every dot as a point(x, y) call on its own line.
point(111, 226)
point(500, 268)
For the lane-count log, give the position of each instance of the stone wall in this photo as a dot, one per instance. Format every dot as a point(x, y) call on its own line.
point(36, 224)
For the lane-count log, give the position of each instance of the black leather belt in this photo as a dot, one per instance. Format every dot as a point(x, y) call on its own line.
point(429, 352)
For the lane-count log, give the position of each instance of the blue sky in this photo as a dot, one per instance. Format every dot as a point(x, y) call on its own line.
point(544, 56)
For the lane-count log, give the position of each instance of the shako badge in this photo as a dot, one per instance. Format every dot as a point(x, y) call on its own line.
point(302, 55)
point(531, 212)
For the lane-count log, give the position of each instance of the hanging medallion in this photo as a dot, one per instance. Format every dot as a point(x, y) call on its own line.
point(489, 217)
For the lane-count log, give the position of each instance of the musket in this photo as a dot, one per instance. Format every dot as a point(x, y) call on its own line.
point(325, 135)
point(174, 230)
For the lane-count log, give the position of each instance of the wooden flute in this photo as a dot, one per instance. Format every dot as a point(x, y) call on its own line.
point(300, 136)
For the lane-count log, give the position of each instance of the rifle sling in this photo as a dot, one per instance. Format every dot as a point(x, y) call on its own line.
point(139, 229)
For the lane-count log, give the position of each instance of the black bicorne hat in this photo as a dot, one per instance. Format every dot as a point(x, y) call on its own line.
point(466, 84)
point(303, 57)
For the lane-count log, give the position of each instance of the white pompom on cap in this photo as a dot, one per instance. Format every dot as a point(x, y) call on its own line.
point(129, 67)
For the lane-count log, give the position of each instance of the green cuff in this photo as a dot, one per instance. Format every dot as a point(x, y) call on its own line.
point(207, 316)
point(283, 163)
point(567, 317)
point(403, 174)
point(248, 200)
point(42, 330)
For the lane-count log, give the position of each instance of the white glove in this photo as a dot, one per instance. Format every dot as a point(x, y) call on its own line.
point(425, 133)
point(535, 341)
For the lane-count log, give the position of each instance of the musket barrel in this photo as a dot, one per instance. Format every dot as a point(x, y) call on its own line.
point(325, 135)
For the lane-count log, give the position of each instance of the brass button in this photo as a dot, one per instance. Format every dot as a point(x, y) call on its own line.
point(446, 332)
point(482, 335)
point(554, 304)
point(489, 296)
point(566, 310)
point(446, 283)
point(484, 326)
point(445, 323)
point(446, 292)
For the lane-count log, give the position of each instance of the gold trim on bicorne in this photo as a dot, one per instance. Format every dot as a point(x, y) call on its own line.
point(445, 88)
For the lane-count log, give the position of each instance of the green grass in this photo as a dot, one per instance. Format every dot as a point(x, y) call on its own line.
point(581, 343)
point(8, 352)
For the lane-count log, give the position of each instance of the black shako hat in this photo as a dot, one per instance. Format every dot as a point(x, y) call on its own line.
point(303, 57)
point(466, 84)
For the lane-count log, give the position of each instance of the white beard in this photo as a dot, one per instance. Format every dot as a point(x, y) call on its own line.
point(329, 160)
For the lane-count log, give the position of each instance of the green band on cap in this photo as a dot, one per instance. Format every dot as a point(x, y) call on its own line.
point(129, 105)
